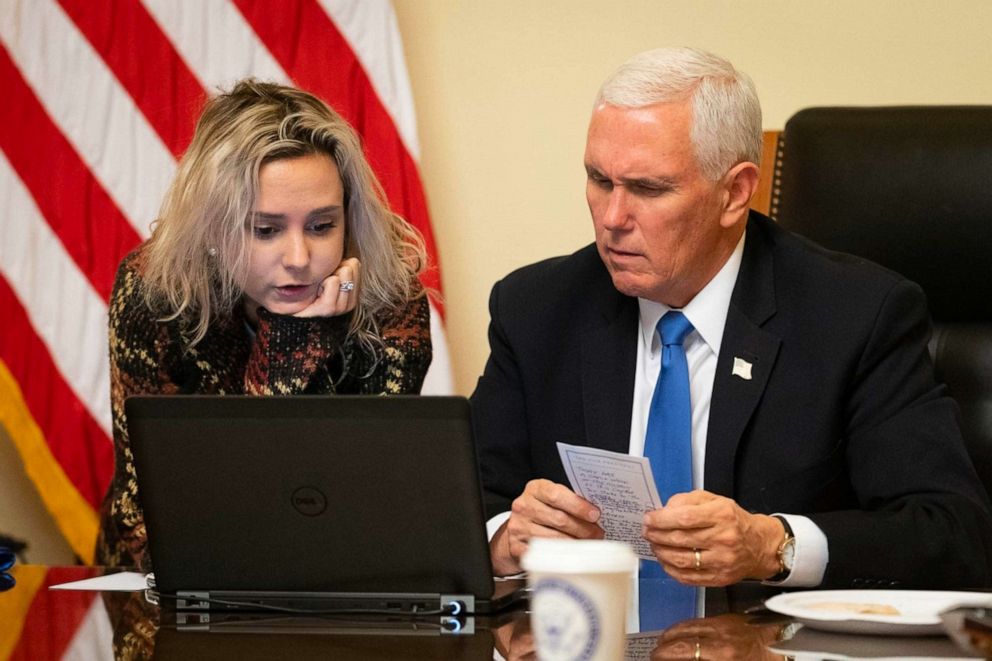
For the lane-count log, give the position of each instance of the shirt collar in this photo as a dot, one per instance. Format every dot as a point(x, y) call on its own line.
point(707, 311)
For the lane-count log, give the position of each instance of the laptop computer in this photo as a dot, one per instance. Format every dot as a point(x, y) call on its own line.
point(299, 502)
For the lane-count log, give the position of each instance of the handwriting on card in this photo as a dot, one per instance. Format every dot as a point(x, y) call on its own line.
point(621, 486)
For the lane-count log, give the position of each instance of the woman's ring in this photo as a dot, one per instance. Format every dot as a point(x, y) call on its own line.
point(699, 558)
point(347, 286)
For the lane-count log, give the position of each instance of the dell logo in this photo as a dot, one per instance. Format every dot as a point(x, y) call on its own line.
point(308, 501)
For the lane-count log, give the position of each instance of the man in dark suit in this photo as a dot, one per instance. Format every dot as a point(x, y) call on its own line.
point(812, 392)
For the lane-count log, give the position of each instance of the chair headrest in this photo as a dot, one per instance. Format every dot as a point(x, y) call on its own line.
point(907, 187)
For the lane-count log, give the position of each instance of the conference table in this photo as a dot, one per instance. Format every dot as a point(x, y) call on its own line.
point(39, 623)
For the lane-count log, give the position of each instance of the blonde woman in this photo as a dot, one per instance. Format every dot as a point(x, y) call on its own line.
point(275, 268)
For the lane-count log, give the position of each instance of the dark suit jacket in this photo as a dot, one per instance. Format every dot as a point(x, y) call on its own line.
point(842, 420)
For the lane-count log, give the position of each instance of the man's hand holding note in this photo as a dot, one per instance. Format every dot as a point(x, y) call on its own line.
point(621, 486)
point(544, 509)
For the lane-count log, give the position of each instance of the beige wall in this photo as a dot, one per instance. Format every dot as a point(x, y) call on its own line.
point(503, 90)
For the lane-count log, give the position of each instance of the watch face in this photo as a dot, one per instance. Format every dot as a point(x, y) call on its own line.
point(789, 553)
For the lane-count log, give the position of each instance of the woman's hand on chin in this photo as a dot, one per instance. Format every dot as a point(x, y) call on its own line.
point(338, 294)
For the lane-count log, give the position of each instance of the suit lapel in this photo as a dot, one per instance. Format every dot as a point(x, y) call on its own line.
point(609, 352)
point(747, 355)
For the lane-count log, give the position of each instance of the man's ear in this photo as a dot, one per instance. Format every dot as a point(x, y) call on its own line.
point(740, 184)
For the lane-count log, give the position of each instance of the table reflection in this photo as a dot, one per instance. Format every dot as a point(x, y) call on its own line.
point(810, 643)
point(728, 637)
point(135, 623)
point(36, 623)
point(40, 624)
point(724, 637)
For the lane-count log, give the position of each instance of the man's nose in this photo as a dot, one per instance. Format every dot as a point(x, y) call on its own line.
point(618, 212)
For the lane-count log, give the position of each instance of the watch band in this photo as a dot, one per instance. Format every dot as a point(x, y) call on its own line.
point(789, 538)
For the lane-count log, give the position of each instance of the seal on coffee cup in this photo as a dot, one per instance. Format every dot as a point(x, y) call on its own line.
point(579, 597)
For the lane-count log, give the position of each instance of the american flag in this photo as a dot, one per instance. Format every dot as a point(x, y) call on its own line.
point(100, 101)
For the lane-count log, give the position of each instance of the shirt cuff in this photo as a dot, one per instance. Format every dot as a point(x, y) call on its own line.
point(493, 524)
point(812, 554)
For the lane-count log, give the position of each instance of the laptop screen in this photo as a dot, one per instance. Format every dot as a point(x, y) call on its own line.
point(333, 493)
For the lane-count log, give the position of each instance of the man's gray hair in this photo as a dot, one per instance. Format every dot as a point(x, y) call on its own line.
point(726, 114)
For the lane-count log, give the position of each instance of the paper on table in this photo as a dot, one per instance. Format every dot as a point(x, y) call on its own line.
point(125, 581)
point(621, 486)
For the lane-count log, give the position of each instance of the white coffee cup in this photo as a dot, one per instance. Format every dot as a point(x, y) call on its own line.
point(579, 597)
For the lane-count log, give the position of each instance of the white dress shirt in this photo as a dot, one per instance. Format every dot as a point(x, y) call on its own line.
point(707, 312)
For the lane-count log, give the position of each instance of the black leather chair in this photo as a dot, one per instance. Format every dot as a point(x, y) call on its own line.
point(909, 188)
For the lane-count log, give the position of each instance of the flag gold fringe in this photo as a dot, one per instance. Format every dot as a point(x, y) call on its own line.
point(75, 517)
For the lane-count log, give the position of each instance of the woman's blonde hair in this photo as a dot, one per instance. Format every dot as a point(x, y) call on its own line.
point(197, 257)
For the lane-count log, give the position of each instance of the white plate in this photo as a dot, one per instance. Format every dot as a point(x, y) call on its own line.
point(919, 610)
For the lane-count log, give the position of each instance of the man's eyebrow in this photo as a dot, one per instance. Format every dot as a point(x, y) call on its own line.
point(660, 182)
point(650, 182)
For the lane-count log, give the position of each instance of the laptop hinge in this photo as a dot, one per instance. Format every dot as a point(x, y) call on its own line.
point(189, 601)
point(402, 603)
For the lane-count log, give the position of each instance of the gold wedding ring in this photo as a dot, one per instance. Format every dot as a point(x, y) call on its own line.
point(699, 650)
point(699, 558)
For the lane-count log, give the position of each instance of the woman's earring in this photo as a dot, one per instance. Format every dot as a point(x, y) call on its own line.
point(212, 252)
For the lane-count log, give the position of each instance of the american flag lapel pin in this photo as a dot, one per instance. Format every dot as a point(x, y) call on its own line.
point(742, 368)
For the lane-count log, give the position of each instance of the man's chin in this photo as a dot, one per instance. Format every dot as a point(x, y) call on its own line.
point(629, 285)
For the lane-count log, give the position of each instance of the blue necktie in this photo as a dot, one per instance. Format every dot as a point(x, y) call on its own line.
point(668, 443)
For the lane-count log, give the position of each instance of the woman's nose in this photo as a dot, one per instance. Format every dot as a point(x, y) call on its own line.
point(296, 253)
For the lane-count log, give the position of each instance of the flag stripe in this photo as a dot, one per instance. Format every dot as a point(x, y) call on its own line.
point(215, 42)
point(61, 307)
point(73, 437)
point(371, 30)
point(63, 187)
point(303, 39)
point(145, 63)
point(90, 108)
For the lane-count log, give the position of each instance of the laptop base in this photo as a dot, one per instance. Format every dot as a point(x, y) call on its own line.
point(398, 603)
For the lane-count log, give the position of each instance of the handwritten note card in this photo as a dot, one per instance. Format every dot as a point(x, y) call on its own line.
point(621, 486)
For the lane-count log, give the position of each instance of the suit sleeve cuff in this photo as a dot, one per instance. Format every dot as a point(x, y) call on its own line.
point(811, 557)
